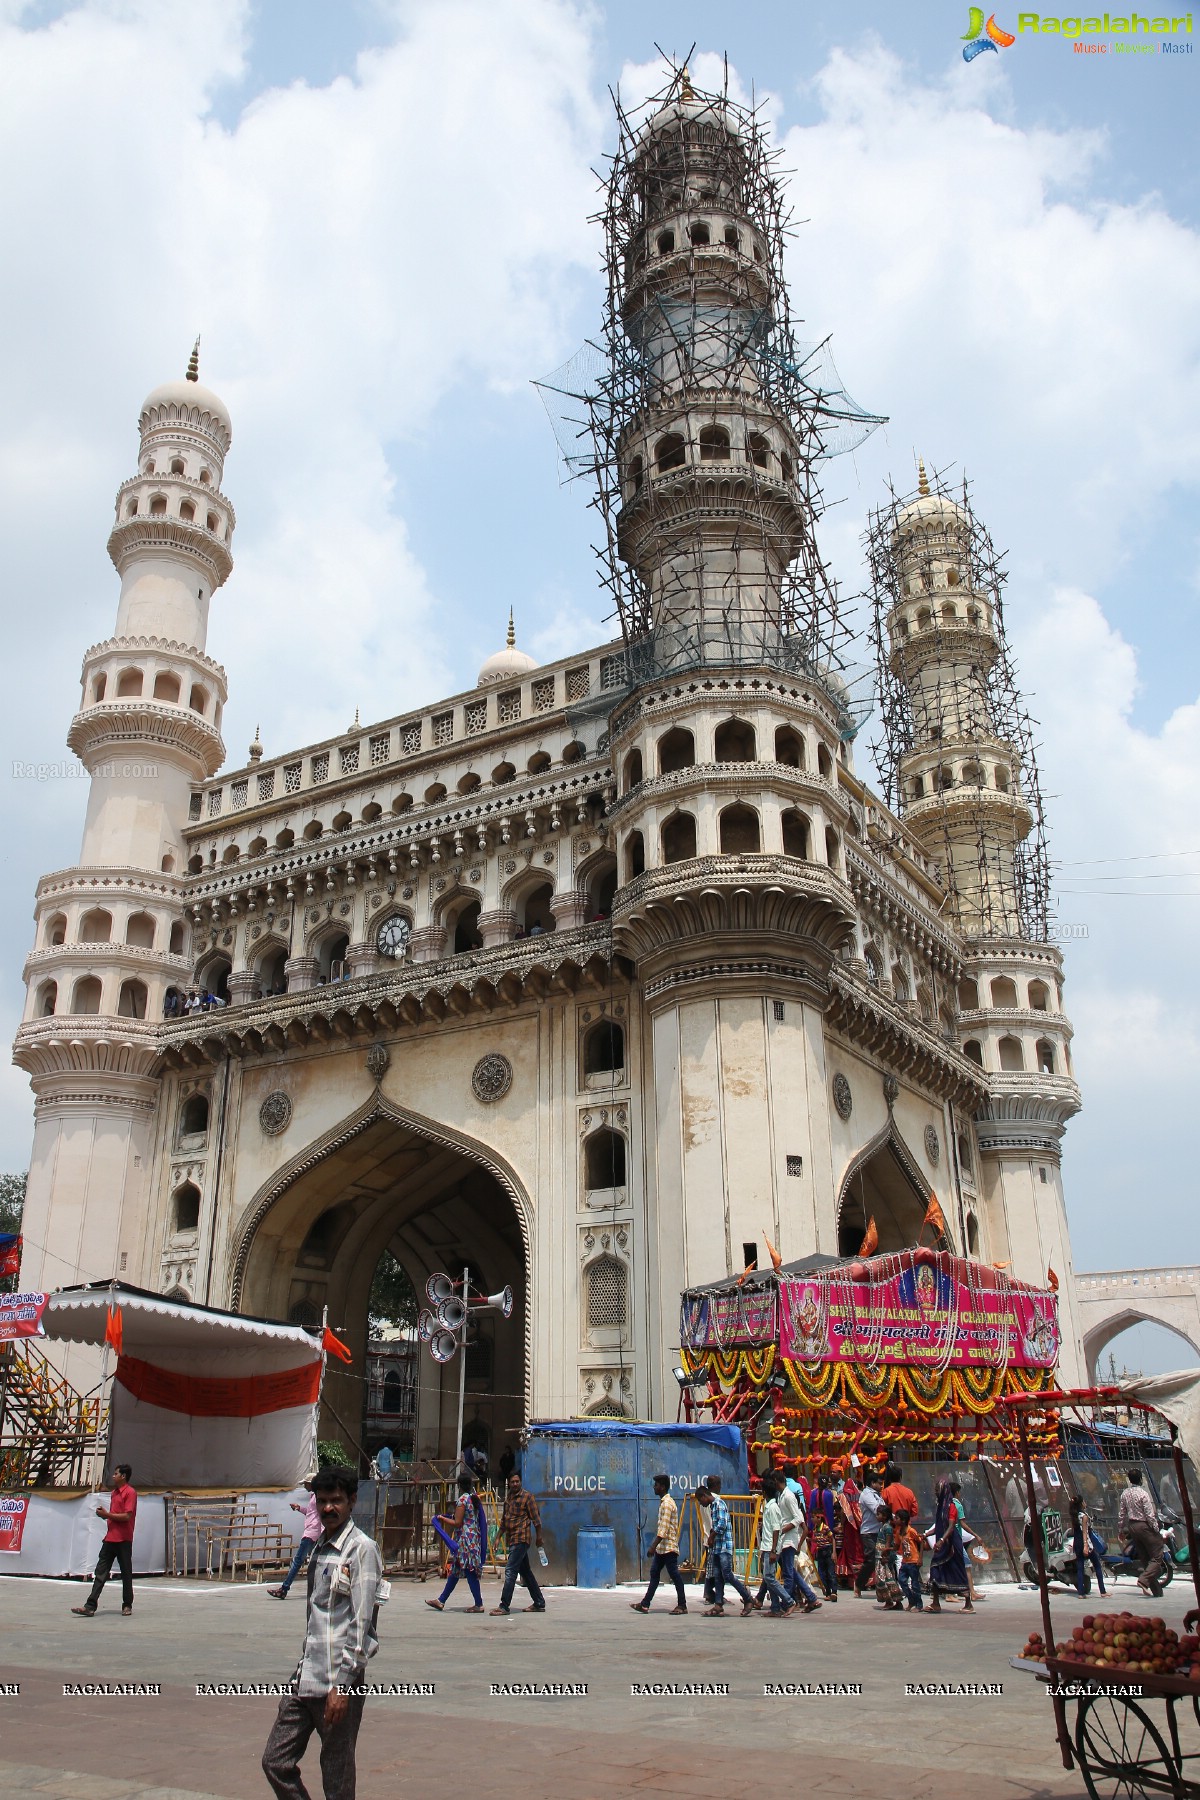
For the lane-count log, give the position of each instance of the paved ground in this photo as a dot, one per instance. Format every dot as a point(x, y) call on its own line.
point(178, 1745)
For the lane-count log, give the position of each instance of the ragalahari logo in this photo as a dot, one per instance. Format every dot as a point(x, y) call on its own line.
point(983, 37)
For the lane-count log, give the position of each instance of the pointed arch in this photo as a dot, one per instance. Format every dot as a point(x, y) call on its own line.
point(883, 1181)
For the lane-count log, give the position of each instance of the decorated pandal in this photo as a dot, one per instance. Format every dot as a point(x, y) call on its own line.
point(826, 1357)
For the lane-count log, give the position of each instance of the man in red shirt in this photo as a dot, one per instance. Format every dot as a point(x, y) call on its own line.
point(897, 1495)
point(117, 1547)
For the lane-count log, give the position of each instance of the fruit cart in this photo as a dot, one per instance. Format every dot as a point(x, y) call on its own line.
point(1134, 1683)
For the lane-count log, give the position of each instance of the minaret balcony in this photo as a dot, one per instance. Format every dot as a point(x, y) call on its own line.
point(165, 534)
point(120, 729)
point(713, 274)
point(88, 1044)
point(958, 809)
point(949, 642)
point(709, 495)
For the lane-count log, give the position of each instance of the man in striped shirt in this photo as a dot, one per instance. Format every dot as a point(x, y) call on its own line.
point(664, 1551)
point(345, 1590)
point(720, 1550)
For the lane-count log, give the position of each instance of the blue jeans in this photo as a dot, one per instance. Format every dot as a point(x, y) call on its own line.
point(909, 1577)
point(518, 1564)
point(1082, 1583)
point(303, 1552)
point(827, 1570)
point(781, 1599)
point(792, 1579)
point(670, 1563)
point(721, 1571)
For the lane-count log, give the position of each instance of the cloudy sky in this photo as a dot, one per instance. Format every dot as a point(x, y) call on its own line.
point(377, 216)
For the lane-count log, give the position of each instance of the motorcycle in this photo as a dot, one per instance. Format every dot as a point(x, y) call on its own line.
point(1175, 1556)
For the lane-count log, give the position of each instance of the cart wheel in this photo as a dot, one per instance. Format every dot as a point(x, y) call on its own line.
point(1121, 1751)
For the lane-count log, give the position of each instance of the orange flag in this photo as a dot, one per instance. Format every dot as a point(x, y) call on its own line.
point(870, 1243)
point(114, 1329)
point(934, 1216)
point(1002, 1265)
point(776, 1259)
point(335, 1345)
point(750, 1269)
point(1051, 1278)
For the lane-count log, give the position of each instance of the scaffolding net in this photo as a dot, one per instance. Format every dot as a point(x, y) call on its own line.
point(957, 754)
point(698, 416)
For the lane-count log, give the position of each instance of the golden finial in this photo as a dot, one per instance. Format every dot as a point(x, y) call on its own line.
point(922, 477)
point(256, 748)
point(686, 90)
point(511, 640)
point(193, 368)
point(355, 726)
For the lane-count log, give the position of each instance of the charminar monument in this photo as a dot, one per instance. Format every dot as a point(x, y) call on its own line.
point(596, 976)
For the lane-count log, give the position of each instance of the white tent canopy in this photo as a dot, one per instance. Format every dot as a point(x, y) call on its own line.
point(200, 1397)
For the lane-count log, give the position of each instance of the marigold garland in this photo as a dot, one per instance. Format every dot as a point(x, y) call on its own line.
point(912, 1395)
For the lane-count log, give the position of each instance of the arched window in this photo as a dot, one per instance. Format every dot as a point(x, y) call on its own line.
point(313, 830)
point(637, 473)
point(789, 748)
point(198, 699)
point(973, 1050)
point(393, 1392)
point(602, 888)
point(305, 1313)
point(925, 1003)
point(1039, 996)
point(795, 834)
point(714, 443)
point(739, 831)
point(677, 750)
point(187, 511)
point(538, 762)
point(140, 931)
point(733, 240)
point(972, 1235)
point(874, 962)
point(833, 847)
point(56, 929)
point(951, 577)
point(158, 506)
point(206, 478)
point(824, 762)
point(534, 912)
point(679, 838)
point(1004, 991)
point(900, 987)
point(86, 998)
point(99, 688)
point(466, 929)
point(185, 1208)
point(604, 1159)
point(670, 452)
point(924, 618)
point(1012, 1054)
point(607, 1295)
point(132, 1001)
point(785, 461)
point(215, 978)
point(964, 1152)
point(735, 742)
point(272, 972)
point(949, 616)
point(466, 784)
point(177, 938)
point(918, 787)
point(758, 450)
point(635, 855)
point(968, 995)
point(699, 233)
point(604, 1048)
point(633, 770)
point(47, 999)
point(131, 509)
point(95, 927)
point(177, 465)
point(129, 686)
point(1000, 777)
point(193, 1118)
point(665, 243)
point(213, 522)
point(331, 957)
point(1045, 1057)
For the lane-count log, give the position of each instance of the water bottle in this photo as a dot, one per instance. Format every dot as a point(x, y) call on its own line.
point(542, 1557)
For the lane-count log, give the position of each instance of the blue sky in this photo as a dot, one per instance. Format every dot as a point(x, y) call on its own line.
point(377, 215)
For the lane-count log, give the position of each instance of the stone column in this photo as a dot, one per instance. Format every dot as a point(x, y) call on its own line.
point(569, 910)
point(429, 943)
point(243, 986)
point(301, 973)
point(362, 959)
point(497, 926)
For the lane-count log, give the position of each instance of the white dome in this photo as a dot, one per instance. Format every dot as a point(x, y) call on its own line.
point(506, 663)
point(187, 395)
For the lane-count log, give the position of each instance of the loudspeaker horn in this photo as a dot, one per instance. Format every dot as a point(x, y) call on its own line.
point(452, 1312)
point(442, 1346)
point(426, 1325)
point(438, 1288)
point(503, 1302)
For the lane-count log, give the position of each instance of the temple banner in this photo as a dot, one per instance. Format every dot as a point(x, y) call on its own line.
point(21, 1316)
point(923, 1313)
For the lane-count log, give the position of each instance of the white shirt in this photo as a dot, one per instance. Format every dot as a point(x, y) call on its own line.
point(791, 1513)
point(770, 1524)
point(870, 1501)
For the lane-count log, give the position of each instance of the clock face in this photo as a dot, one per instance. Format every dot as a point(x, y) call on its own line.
point(393, 936)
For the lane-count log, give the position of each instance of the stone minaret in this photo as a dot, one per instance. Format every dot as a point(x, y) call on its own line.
point(112, 937)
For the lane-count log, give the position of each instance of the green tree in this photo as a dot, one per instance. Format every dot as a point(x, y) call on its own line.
point(393, 1303)
point(12, 1203)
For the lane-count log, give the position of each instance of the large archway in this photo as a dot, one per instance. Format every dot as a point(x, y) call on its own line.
point(388, 1180)
point(884, 1183)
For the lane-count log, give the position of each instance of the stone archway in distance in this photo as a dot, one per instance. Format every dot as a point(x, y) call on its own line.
point(388, 1179)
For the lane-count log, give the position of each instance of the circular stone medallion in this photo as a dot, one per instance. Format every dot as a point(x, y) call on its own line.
point(933, 1148)
point(491, 1078)
point(275, 1113)
point(843, 1099)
